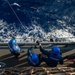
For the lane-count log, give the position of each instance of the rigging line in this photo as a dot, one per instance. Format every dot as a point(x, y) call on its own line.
point(15, 14)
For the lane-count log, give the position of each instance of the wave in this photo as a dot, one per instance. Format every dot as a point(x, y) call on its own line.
point(37, 19)
point(7, 31)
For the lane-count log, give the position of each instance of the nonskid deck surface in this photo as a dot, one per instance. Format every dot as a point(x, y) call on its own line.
point(20, 66)
point(38, 71)
point(11, 61)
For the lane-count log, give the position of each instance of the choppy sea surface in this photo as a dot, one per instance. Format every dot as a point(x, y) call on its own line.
point(37, 19)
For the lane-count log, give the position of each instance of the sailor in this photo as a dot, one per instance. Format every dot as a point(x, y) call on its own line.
point(33, 58)
point(51, 57)
point(14, 48)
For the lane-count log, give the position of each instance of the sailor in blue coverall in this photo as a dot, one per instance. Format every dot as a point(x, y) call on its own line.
point(14, 48)
point(33, 58)
point(52, 58)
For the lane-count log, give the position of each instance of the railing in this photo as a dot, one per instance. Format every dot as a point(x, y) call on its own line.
point(48, 39)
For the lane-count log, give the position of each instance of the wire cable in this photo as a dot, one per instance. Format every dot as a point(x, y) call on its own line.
point(15, 13)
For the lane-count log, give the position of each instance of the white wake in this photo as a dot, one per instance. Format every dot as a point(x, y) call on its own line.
point(36, 32)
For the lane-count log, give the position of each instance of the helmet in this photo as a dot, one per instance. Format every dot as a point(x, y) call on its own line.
point(56, 50)
point(34, 57)
point(13, 42)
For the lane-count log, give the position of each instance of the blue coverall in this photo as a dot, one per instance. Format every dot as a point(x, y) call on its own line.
point(14, 49)
point(29, 58)
point(51, 58)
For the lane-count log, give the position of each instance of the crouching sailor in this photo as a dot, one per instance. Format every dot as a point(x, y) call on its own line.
point(14, 48)
point(51, 57)
point(33, 58)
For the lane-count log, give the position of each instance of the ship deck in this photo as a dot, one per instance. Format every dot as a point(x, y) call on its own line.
point(11, 61)
point(12, 64)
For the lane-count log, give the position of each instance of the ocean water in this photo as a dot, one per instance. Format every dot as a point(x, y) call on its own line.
point(37, 19)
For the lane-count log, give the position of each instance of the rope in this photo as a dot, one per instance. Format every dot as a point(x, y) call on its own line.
point(15, 13)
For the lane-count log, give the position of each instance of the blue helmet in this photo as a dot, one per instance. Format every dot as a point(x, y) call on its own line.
point(34, 58)
point(56, 50)
point(13, 42)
